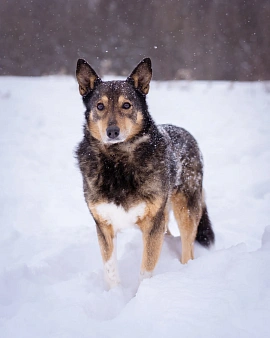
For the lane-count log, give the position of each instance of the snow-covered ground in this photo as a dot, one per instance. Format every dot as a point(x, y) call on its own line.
point(51, 278)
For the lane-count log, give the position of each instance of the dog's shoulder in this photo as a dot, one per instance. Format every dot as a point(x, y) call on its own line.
point(182, 143)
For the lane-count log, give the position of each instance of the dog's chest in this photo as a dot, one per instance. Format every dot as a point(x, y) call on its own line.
point(118, 179)
point(118, 217)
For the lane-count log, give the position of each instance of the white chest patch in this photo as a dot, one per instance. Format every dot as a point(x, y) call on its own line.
point(119, 217)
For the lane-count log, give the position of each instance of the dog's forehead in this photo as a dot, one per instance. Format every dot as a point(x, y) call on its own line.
point(115, 89)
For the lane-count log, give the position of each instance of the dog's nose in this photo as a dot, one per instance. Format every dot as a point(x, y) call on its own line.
point(113, 132)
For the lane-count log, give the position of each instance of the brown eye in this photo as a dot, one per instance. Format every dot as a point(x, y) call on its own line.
point(100, 106)
point(126, 105)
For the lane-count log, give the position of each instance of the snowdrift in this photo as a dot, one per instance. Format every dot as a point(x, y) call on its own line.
point(51, 279)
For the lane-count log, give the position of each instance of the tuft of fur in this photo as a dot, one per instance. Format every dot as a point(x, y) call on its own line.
point(205, 234)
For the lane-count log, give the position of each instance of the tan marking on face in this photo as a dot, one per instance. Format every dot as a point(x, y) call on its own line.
point(121, 100)
point(104, 99)
point(135, 128)
point(124, 122)
point(102, 113)
point(94, 128)
point(97, 126)
point(121, 117)
point(103, 125)
point(187, 222)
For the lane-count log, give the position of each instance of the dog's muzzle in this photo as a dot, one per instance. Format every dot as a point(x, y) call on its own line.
point(113, 132)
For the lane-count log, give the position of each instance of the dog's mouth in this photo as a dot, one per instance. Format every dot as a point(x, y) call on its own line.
point(118, 139)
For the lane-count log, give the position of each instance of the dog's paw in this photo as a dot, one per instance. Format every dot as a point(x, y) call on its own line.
point(113, 283)
point(111, 274)
point(145, 274)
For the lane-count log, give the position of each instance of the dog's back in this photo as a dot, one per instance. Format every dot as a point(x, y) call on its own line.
point(188, 177)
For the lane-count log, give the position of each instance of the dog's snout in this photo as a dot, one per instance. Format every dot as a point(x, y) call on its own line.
point(113, 132)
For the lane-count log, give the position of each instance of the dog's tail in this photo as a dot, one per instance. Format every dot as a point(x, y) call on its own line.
point(205, 234)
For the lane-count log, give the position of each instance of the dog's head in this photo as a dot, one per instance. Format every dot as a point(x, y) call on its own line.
point(115, 109)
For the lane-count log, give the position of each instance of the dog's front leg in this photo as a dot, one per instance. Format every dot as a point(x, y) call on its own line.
point(152, 244)
point(107, 243)
point(153, 228)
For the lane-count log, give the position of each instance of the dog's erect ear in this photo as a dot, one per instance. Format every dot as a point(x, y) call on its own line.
point(141, 76)
point(86, 77)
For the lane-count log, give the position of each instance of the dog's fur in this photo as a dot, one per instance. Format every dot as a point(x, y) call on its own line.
point(135, 171)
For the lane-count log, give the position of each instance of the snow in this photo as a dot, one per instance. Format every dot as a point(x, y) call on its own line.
point(51, 275)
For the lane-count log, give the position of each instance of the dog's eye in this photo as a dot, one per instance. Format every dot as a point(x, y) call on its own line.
point(100, 106)
point(126, 105)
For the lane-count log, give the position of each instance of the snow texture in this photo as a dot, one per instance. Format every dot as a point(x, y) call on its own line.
point(51, 271)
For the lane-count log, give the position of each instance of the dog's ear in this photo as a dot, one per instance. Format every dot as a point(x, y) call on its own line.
point(141, 76)
point(86, 76)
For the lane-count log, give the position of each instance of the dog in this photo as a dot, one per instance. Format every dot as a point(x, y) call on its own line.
point(135, 171)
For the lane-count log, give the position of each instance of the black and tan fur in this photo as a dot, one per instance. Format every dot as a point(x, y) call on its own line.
point(126, 160)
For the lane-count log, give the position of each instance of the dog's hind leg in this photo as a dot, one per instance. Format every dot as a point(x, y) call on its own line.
point(187, 220)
